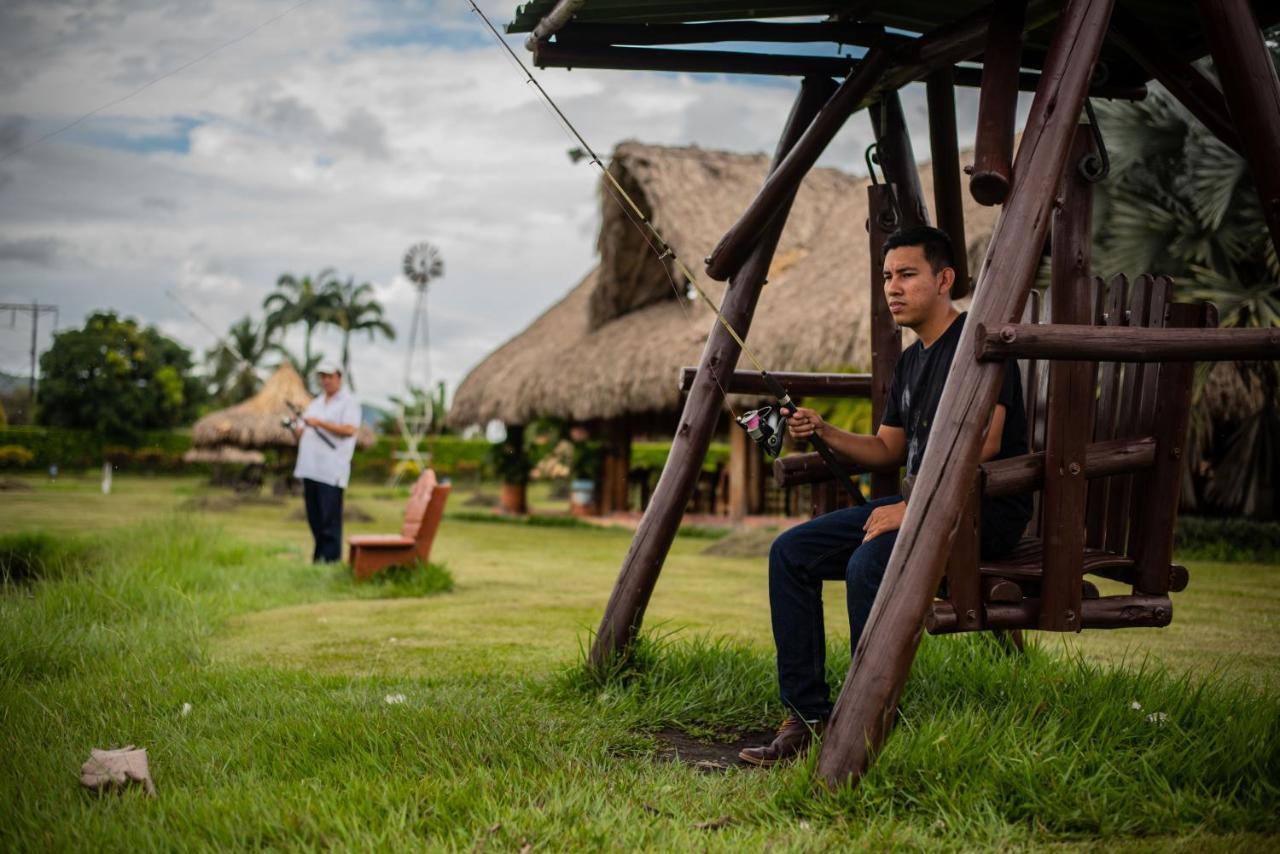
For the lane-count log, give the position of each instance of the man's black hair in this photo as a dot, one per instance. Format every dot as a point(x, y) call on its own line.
point(934, 241)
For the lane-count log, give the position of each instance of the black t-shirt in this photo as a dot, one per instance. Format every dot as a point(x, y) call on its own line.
point(914, 393)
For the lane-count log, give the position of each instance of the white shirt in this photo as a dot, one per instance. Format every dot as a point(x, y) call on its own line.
point(316, 460)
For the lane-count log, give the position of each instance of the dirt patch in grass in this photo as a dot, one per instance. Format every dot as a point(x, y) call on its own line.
point(747, 542)
point(711, 757)
point(9, 484)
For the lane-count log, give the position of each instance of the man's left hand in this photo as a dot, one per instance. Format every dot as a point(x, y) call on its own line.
point(884, 519)
point(311, 421)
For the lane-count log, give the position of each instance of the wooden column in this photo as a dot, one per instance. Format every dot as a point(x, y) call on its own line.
point(945, 149)
point(615, 465)
point(1153, 525)
point(867, 704)
point(886, 337)
point(1252, 91)
point(702, 409)
point(1070, 413)
point(998, 104)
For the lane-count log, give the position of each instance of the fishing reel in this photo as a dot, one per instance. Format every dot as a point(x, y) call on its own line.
point(766, 427)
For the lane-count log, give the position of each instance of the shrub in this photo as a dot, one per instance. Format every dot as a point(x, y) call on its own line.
point(15, 457)
point(1245, 540)
point(26, 557)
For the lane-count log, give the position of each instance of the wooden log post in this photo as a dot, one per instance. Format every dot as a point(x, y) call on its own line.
point(944, 147)
point(998, 104)
point(886, 337)
point(1107, 612)
point(899, 203)
point(1137, 345)
point(867, 703)
point(1070, 403)
point(639, 573)
point(1152, 538)
point(1252, 91)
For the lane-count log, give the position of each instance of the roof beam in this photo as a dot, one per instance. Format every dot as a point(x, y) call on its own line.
point(837, 32)
point(575, 55)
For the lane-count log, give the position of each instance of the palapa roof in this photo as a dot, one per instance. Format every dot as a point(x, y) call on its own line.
point(256, 422)
point(615, 343)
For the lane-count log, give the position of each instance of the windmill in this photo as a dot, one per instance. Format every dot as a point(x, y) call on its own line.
point(422, 263)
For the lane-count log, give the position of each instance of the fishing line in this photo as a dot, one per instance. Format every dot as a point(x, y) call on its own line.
point(624, 198)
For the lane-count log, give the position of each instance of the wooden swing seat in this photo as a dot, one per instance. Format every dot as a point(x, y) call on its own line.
point(1136, 421)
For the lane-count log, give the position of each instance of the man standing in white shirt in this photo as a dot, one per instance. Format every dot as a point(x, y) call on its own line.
point(326, 441)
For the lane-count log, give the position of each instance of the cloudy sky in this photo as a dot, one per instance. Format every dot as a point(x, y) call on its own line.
point(336, 135)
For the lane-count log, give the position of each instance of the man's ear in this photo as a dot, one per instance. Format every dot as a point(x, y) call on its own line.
point(946, 278)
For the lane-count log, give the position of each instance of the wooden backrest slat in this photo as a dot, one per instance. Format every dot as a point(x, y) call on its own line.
point(1139, 314)
point(1151, 538)
point(1112, 313)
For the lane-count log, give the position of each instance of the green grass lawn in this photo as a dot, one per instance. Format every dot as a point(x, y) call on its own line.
point(493, 738)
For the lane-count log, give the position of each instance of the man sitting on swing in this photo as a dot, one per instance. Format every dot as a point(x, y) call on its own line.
point(854, 544)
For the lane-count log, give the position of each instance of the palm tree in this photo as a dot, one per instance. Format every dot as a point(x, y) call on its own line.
point(304, 300)
point(355, 310)
point(234, 363)
point(1181, 202)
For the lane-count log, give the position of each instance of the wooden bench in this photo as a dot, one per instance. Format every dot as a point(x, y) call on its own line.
point(371, 553)
point(1107, 444)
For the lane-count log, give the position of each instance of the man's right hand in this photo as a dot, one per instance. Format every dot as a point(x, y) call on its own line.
point(804, 423)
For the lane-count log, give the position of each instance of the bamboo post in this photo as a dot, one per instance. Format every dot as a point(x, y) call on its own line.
point(997, 104)
point(702, 409)
point(1252, 91)
point(1070, 403)
point(740, 449)
point(867, 704)
point(944, 147)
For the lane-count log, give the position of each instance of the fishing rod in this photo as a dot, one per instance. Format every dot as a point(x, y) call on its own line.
point(764, 426)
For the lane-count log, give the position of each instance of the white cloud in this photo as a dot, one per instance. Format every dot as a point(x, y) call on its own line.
point(335, 137)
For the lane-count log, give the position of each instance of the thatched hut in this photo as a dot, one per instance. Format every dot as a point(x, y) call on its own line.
point(609, 352)
point(256, 422)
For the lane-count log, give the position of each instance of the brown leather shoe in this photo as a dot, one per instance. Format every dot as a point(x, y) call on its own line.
point(793, 738)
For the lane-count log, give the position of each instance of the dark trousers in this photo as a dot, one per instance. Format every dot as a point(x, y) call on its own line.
point(324, 515)
point(828, 548)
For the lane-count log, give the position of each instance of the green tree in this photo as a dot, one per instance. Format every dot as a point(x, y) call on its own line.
point(233, 363)
point(301, 299)
point(1181, 202)
point(117, 379)
point(356, 310)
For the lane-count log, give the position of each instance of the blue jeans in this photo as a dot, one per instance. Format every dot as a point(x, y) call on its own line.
point(324, 515)
point(828, 548)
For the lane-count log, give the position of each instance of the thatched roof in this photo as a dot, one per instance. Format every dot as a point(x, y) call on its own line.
point(255, 423)
point(614, 344)
point(224, 454)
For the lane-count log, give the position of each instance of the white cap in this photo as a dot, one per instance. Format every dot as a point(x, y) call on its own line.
point(328, 366)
